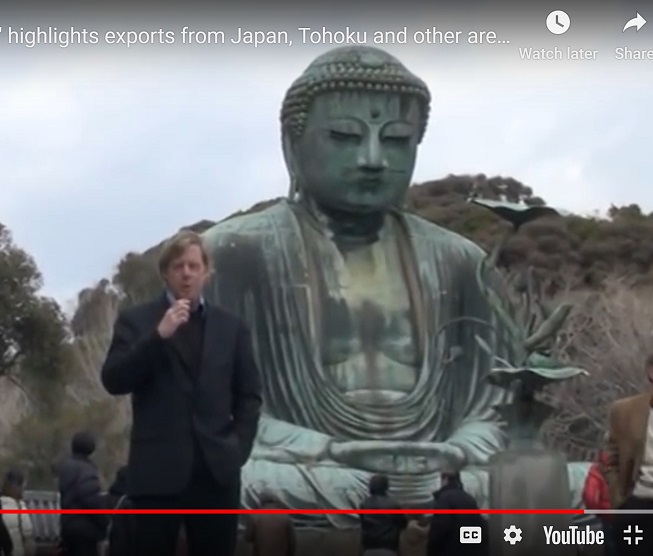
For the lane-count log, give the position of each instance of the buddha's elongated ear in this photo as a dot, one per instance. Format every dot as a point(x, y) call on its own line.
point(290, 158)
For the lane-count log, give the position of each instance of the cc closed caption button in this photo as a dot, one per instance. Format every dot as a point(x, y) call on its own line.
point(470, 535)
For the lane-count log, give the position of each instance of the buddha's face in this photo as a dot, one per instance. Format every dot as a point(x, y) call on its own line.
point(358, 150)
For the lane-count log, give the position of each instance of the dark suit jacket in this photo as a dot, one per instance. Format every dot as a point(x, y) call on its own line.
point(444, 531)
point(221, 407)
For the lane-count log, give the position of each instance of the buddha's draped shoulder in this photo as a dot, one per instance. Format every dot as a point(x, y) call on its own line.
point(261, 275)
point(443, 253)
point(474, 299)
point(254, 254)
point(451, 258)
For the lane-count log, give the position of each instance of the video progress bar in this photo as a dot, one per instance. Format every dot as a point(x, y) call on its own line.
point(618, 512)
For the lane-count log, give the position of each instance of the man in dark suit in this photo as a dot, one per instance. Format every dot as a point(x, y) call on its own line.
point(195, 389)
point(381, 533)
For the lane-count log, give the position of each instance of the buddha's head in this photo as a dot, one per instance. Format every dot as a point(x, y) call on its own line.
point(351, 125)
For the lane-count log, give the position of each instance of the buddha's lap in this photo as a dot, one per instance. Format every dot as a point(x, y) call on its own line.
point(317, 486)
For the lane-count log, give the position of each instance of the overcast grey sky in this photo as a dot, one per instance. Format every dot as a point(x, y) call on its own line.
point(105, 151)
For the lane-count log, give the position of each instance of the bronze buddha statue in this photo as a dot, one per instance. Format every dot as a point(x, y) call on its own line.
point(364, 316)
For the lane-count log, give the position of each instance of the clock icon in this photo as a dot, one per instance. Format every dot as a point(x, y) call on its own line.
point(558, 22)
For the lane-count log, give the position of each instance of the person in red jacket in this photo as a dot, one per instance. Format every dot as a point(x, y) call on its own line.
point(596, 496)
point(596, 492)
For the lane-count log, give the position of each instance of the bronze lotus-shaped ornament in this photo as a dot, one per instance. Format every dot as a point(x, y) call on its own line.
point(539, 371)
point(525, 414)
point(535, 327)
point(516, 214)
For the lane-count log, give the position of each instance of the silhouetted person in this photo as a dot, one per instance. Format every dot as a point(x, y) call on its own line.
point(271, 534)
point(119, 533)
point(195, 389)
point(80, 489)
point(6, 544)
point(444, 531)
point(380, 533)
point(117, 492)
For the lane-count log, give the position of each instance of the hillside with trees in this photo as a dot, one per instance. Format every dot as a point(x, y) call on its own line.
point(49, 366)
point(579, 249)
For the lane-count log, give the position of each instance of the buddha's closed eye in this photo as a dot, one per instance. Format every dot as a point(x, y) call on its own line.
point(344, 136)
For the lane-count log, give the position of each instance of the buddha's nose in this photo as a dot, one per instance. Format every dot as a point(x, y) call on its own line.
point(372, 157)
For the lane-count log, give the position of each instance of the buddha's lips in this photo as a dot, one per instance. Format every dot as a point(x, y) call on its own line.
point(370, 181)
point(368, 185)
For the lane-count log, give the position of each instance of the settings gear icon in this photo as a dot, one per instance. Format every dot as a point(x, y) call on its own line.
point(512, 535)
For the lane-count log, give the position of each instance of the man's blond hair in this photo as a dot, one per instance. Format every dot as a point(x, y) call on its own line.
point(177, 245)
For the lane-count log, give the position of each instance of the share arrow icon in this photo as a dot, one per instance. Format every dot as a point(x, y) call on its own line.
point(637, 22)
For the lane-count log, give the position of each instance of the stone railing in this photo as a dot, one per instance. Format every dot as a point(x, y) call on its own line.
point(46, 526)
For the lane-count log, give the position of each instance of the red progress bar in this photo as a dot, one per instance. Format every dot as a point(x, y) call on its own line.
point(295, 512)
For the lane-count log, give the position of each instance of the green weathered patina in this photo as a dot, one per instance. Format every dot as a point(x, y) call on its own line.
point(535, 330)
point(367, 321)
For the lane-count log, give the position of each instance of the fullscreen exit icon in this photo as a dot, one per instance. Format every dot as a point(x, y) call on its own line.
point(633, 535)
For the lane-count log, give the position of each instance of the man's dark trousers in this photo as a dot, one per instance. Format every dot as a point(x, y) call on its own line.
point(195, 409)
point(210, 535)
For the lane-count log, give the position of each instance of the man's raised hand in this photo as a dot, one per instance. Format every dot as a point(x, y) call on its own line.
point(175, 316)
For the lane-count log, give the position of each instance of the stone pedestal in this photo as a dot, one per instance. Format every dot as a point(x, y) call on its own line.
point(528, 479)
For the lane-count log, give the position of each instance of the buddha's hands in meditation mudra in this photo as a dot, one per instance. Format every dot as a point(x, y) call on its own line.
point(396, 456)
point(374, 456)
